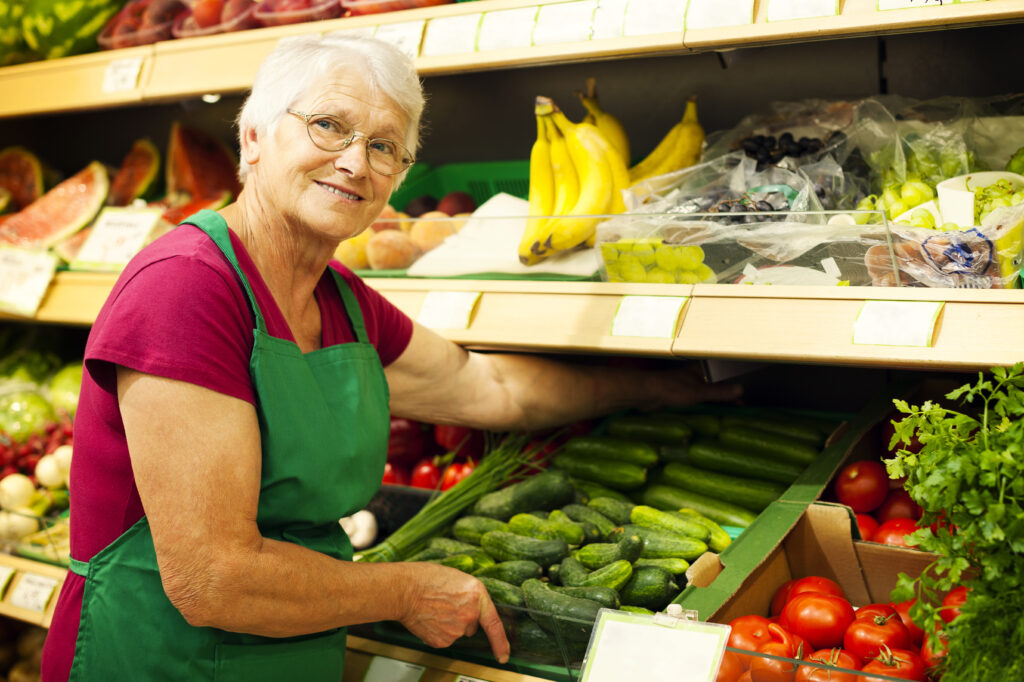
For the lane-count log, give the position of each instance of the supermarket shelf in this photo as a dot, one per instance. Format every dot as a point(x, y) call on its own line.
point(178, 69)
point(360, 651)
point(30, 589)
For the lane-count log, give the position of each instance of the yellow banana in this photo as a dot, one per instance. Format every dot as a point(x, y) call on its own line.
point(620, 173)
point(567, 182)
point(680, 148)
point(541, 194)
point(607, 123)
point(596, 185)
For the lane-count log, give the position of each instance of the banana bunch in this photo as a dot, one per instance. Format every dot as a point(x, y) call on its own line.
point(680, 148)
point(576, 175)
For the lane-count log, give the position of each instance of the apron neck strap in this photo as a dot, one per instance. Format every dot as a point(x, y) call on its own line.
point(355, 315)
point(213, 224)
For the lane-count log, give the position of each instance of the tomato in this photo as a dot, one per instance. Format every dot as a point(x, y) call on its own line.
point(869, 636)
point(426, 474)
point(455, 472)
point(821, 619)
point(867, 525)
point(206, 13)
point(900, 663)
point(872, 610)
point(763, 669)
point(837, 658)
point(781, 596)
point(745, 677)
point(932, 658)
point(889, 430)
point(462, 440)
point(894, 531)
point(731, 667)
point(407, 442)
point(916, 633)
point(951, 604)
point(395, 475)
point(816, 583)
point(862, 486)
point(748, 633)
point(898, 505)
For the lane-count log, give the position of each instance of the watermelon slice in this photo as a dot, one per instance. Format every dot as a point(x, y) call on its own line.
point(180, 210)
point(61, 28)
point(21, 174)
point(5, 199)
point(61, 212)
point(199, 165)
point(137, 175)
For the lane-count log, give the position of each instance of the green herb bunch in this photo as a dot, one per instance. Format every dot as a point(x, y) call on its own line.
point(968, 478)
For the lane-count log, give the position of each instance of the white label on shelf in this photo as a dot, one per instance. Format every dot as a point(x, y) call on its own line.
point(33, 592)
point(904, 4)
point(609, 19)
point(625, 646)
point(451, 35)
point(5, 579)
point(648, 316)
point(646, 17)
point(719, 13)
point(506, 29)
point(467, 678)
point(122, 74)
point(27, 276)
point(405, 35)
point(786, 10)
point(117, 235)
point(897, 323)
point(448, 309)
point(568, 22)
point(384, 669)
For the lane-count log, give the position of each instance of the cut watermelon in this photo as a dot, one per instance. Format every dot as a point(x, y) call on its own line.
point(137, 175)
point(21, 174)
point(5, 199)
point(199, 164)
point(61, 212)
point(178, 211)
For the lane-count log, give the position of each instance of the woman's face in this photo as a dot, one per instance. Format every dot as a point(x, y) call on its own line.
point(335, 194)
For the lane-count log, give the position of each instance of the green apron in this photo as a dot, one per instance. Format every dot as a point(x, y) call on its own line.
point(324, 428)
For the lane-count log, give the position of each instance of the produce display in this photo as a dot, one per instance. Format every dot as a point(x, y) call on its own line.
point(21, 650)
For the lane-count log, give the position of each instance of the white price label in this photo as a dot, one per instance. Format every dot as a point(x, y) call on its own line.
point(718, 13)
point(506, 29)
point(384, 669)
point(467, 678)
point(406, 35)
point(122, 74)
point(786, 10)
point(117, 235)
point(451, 35)
point(897, 323)
point(648, 316)
point(905, 4)
point(568, 22)
point(26, 277)
point(647, 17)
point(5, 579)
point(33, 592)
point(448, 309)
point(609, 19)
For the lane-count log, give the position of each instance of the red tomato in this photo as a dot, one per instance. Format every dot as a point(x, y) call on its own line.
point(745, 677)
point(816, 583)
point(951, 604)
point(821, 619)
point(916, 633)
point(900, 663)
point(898, 505)
point(455, 472)
point(862, 486)
point(781, 596)
point(872, 610)
point(837, 658)
point(731, 667)
point(867, 525)
point(206, 13)
point(932, 658)
point(425, 475)
point(868, 637)
point(462, 440)
point(407, 442)
point(395, 475)
point(785, 645)
point(749, 633)
point(894, 532)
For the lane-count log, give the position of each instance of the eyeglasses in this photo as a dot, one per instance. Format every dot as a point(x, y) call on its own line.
point(332, 134)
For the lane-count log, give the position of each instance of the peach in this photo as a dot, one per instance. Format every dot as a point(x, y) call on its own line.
point(352, 252)
point(428, 232)
point(391, 250)
point(387, 220)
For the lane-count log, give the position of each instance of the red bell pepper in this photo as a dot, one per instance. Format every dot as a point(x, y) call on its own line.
point(465, 442)
point(407, 443)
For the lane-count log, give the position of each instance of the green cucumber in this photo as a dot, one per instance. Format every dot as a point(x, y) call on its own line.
point(716, 456)
point(663, 429)
point(605, 596)
point(451, 546)
point(531, 642)
point(461, 562)
point(746, 492)
point(531, 526)
point(502, 592)
point(651, 587)
point(591, 533)
point(514, 572)
point(428, 554)
point(649, 517)
point(718, 538)
point(614, 474)
point(471, 528)
point(701, 423)
point(775, 446)
point(616, 510)
point(572, 573)
point(505, 546)
point(571, 617)
point(661, 544)
point(636, 609)
point(581, 513)
point(669, 497)
point(592, 490)
point(673, 565)
point(598, 554)
point(774, 423)
point(674, 453)
point(824, 425)
point(614, 575)
point(570, 531)
point(546, 490)
point(629, 450)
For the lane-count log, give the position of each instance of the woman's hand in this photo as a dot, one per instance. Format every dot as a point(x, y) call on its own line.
point(446, 604)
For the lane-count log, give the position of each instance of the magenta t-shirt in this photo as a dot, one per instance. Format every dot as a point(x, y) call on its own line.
point(177, 311)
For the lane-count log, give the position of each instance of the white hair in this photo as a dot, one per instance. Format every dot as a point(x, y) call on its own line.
point(298, 62)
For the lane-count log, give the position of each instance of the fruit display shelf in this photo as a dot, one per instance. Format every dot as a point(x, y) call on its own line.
point(29, 589)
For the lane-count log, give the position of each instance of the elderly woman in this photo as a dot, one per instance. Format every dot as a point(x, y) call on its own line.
point(236, 404)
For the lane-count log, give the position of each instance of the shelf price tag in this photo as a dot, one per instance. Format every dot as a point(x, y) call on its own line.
point(26, 277)
point(569, 22)
point(897, 323)
point(6, 572)
point(384, 669)
point(122, 74)
point(787, 10)
point(718, 13)
point(33, 592)
point(652, 317)
point(451, 35)
point(405, 35)
point(626, 646)
point(448, 309)
point(609, 19)
point(506, 29)
point(117, 235)
point(467, 678)
point(647, 17)
point(904, 4)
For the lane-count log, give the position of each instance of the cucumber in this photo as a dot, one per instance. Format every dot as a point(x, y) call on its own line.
point(772, 445)
point(673, 565)
point(775, 423)
point(718, 538)
point(531, 526)
point(605, 596)
point(616, 510)
point(598, 554)
point(663, 429)
point(471, 528)
point(746, 492)
point(661, 544)
point(428, 554)
point(629, 450)
point(582, 513)
point(701, 423)
point(674, 453)
point(505, 546)
point(451, 546)
point(824, 425)
point(649, 517)
point(614, 575)
point(592, 490)
point(651, 587)
point(669, 497)
point(531, 642)
point(572, 573)
point(546, 490)
point(716, 456)
point(571, 617)
point(502, 592)
point(513, 572)
point(614, 474)
point(570, 531)
point(461, 562)
point(591, 533)
point(636, 609)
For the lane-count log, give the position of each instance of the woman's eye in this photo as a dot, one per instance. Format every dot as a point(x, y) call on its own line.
point(328, 125)
point(386, 147)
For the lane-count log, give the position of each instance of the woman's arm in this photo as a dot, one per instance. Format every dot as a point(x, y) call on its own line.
point(437, 381)
point(196, 458)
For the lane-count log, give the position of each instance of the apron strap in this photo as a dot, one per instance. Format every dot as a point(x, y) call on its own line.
point(79, 567)
point(355, 314)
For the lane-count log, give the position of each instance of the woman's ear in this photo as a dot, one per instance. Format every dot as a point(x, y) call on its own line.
point(250, 145)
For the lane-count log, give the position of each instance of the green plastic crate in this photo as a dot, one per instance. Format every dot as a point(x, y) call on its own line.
point(481, 180)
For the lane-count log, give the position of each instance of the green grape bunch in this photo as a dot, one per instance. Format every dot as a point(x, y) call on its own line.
point(999, 194)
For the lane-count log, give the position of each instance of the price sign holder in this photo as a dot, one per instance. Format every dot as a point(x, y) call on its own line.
point(654, 317)
point(649, 17)
point(384, 669)
point(897, 323)
point(665, 646)
point(117, 235)
point(27, 276)
point(907, 4)
point(448, 309)
point(787, 10)
point(568, 22)
point(33, 592)
point(506, 29)
point(122, 75)
point(718, 13)
point(405, 35)
point(451, 35)
point(6, 573)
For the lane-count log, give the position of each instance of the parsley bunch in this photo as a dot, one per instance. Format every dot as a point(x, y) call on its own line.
point(969, 479)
